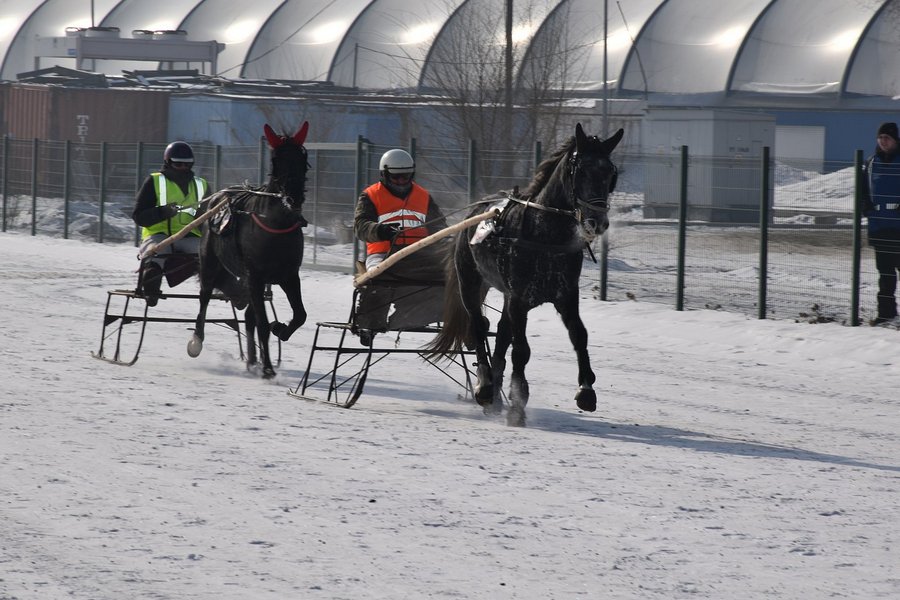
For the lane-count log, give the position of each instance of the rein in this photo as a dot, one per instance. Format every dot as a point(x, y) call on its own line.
point(530, 204)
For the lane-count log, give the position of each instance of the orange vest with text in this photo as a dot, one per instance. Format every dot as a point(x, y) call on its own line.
point(409, 214)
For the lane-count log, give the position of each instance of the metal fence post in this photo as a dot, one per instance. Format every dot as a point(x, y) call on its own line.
point(763, 235)
point(67, 187)
point(217, 167)
point(682, 230)
point(261, 174)
point(35, 143)
point(138, 182)
point(5, 176)
point(604, 264)
point(857, 237)
point(360, 179)
point(103, 157)
point(473, 172)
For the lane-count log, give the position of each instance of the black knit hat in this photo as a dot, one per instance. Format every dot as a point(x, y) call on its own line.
point(889, 129)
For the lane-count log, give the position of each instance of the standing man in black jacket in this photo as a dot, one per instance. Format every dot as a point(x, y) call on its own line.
point(881, 198)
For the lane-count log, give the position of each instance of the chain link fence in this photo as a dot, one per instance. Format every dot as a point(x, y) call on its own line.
point(807, 244)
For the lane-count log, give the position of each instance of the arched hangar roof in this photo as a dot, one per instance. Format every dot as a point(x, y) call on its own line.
point(783, 47)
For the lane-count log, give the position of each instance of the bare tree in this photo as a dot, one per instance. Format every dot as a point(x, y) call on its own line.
point(469, 66)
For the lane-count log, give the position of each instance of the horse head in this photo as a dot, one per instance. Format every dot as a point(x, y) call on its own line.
point(592, 176)
point(289, 163)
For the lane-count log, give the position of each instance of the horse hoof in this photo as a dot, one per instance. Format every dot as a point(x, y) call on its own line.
point(484, 395)
point(515, 417)
point(586, 399)
point(194, 347)
point(268, 373)
point(493, 408)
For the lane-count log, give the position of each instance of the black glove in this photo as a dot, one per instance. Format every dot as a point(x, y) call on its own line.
point(387, 231)
point(169, 210)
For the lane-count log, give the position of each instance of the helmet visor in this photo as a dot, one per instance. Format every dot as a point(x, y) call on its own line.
point(399, 178)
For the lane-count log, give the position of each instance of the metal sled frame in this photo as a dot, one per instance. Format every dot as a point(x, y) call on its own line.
point(134, 310)
point(342, 384)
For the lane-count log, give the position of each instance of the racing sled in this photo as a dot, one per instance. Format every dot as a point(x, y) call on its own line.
point(349, 349)
point(343, 353)
point(127, 313)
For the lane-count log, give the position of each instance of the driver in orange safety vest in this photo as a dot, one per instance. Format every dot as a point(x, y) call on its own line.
point(392, 214)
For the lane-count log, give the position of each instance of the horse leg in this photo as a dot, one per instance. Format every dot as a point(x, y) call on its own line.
point(250, 335)
point(258, 307)
point(484, 382)
point(195, 344)
point(208, 272)
point(498, 360)
point(586, 397)
point(521, 353)
point(291, 289)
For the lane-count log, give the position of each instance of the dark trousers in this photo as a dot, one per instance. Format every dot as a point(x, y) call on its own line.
point(413, 287)
point(887, 261)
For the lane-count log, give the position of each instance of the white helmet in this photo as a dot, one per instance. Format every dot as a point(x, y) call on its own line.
point(397, 162)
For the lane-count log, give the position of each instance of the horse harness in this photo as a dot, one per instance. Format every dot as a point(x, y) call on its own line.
point(221, 222)
point(591, 205)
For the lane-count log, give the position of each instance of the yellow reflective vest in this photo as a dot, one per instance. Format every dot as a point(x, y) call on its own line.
point(168, 192)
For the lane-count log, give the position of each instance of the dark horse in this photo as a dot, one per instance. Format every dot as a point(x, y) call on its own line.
point(533, 255)
point(262, 243)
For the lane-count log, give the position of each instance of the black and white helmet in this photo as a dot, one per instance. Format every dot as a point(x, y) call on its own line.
point(179, 152)
point(400, 166)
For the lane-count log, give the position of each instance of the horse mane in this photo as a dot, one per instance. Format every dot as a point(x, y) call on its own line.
point(545, 170)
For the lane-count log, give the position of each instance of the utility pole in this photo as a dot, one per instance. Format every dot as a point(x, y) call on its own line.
point(605, 125)
point(508, 75)
point(508, 99)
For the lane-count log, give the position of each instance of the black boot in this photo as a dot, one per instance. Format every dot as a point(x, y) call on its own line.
point(151, 281)
point(887, 309)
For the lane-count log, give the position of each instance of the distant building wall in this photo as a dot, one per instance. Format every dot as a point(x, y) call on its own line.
point(229, 121)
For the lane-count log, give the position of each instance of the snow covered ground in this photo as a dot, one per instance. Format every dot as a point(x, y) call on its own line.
point(729, 458)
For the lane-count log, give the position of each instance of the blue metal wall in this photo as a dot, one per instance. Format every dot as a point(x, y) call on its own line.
point(230, 121)
point(845, 131)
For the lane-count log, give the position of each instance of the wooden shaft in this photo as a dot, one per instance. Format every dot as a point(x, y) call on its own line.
point(184, 230)
point(424, 242)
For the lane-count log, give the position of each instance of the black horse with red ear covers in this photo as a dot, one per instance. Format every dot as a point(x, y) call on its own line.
point(258, 240)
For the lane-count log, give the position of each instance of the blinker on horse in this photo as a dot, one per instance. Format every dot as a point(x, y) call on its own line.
point(261, 244)
point(533, 254)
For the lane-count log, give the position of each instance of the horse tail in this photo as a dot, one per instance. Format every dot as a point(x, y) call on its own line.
point(455, 330)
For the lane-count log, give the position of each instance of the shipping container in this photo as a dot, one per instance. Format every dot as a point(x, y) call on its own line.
point(85, 115)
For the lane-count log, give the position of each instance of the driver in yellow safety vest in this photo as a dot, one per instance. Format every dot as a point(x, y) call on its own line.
point(167, 201)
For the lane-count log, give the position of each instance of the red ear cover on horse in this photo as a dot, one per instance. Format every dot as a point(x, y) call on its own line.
point(274, 139)
point(300, 136)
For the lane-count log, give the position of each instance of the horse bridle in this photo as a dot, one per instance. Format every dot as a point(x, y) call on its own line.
point(596, 204)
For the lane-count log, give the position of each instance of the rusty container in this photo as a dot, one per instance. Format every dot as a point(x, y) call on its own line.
point(87, 115)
